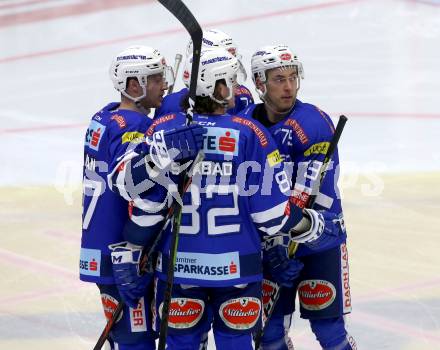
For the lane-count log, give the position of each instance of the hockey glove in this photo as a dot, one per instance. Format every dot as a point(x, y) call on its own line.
point(175, 145)
point(130, 283)
point(283, 270)
point(325, 229)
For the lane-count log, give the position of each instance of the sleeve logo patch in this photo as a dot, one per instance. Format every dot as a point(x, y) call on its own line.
point(132, 136)
point(94, 135)
point(317, 148)
point(90, 262)
point(274, 158)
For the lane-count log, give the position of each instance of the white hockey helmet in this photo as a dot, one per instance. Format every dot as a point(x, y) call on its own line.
point(215, 64)
point(215, 38)
point(138, 62)
point(270, 57)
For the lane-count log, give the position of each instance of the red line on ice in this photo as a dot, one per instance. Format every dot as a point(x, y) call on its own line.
point(390, 115)
point(56, 12)
point(39, 266)
point(23, 4)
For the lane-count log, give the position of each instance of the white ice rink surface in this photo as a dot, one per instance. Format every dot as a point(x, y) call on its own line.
point(375, 61)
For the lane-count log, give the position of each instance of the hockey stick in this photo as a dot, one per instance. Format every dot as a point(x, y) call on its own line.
point(177, 61)
point(310, 203)
point(184, 15)
point(181, 12)
point(146, 264)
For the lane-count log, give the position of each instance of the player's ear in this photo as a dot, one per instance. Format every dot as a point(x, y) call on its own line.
point(133, 86)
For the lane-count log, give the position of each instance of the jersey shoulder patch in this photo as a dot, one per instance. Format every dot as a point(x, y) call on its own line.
point(258, 131)
point(242, 90)
point(165, 118)
point(298, 129)
point(120, 120)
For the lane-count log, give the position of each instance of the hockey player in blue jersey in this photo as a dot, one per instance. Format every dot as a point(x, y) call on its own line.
point(212, 38)
point(302, 133)
point(239, 193)
point(140, 74)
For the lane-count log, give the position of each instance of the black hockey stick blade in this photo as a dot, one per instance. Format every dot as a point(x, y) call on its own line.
point(184, 15)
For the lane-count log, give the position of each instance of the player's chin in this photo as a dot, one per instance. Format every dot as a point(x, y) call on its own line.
point(287, 102)
point(158, 102)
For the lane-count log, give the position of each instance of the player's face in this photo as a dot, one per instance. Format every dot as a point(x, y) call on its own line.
point(282, 87)
point(224, 93)
point(156, 86)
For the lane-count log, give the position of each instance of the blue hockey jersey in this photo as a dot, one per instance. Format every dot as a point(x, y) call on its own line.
point(173, 103)
point(239, 192)
point(303, 138)
point(105, 213)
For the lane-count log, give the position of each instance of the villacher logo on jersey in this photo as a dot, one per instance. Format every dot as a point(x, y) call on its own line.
point(184, 312)
point(240, 313)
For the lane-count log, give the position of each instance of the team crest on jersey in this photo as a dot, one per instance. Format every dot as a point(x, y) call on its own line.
point(94, 135)
point(240, 313)
point(221, 141)
point(184, 312)
point(316, 294)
